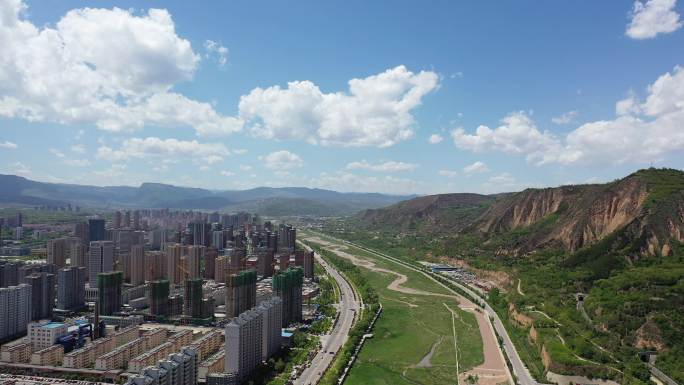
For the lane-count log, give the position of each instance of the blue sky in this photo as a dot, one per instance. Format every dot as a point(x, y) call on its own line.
point(340, 95)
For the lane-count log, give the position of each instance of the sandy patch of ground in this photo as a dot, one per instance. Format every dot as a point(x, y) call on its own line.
point(426, 361)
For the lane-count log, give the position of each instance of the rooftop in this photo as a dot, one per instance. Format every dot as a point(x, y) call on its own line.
point(53, 325)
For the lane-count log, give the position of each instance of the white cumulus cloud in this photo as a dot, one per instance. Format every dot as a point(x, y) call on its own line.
point(517, 134)
point(641, 133)
point(57, 153)
point(349, 182)
point(476, 168)
point(20, 168)
point(214, 49)
point(652, 18)
point(282, 160)
point(565, 118)
point(435, 138)
point(448, 173)
point(8, 145)
point(375, 112)
point(107, 67)
point(77, 162)
point(164, 150)
point(390, 166)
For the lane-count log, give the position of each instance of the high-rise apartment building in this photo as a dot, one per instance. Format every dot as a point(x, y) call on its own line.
point(201, 233)
point(193, 260)
point(218, 239)
point(137, 265)
point(156, 265)
point(116, 222)
point(237, 260)
point(288, 286)
point(9, 273)
point(71, 288)
point(15, 310)
point(244, 343)
point(127, 219)
point(221, 269)
point(81, 232)
point(136, 220)
point(96, 230)
point(265, 262)
point(42, 294)
point(305, 260)
point(286, 238)
point(109, 287)
point(57, 252)
point(100, 259)
point(173, 258)
point(240, 292)
point(78, 255)
point(272, 314)
point(210, 263)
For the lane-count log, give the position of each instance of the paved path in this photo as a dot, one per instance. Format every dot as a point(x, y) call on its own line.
point(519, 289)
point(331, 344)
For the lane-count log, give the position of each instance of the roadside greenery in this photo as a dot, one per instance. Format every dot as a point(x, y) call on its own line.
point(370, 300)
point(277, 370)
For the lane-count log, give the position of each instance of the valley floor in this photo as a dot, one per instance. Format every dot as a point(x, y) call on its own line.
point(426, 333)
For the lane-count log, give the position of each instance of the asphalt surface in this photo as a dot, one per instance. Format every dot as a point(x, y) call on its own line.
point(331, 343)
point(519, 369)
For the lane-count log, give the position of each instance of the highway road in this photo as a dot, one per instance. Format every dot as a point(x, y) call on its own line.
point(331, 343)
point(519, 369)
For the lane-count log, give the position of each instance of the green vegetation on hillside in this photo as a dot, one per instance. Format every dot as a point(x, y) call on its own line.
point(551, 288)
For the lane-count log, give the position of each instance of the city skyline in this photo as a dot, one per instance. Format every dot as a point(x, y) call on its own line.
point(444, 97)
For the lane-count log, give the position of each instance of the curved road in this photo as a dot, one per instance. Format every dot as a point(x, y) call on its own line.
point(519, 369)
point(331, 343)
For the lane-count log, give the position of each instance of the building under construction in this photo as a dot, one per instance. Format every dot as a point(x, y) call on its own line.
point(288, 286)
point(192, 299)
point(109, 292)
point(158, 298)
point(240, 292)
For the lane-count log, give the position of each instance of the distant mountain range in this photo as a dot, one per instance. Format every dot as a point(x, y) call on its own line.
point(262, 200)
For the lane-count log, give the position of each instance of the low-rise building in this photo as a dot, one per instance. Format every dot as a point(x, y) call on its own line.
point(150, 357)
point(42, 335)
point(51, 356)
point(178, 369)
point(18, 351)
point(222, 379)
point(180, 339)
point(213, 364)
point(126, 335)
point(85, 357)
point(118, 358)
point(208, 344)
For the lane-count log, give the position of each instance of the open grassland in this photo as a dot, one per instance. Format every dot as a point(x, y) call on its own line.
point(414, 338)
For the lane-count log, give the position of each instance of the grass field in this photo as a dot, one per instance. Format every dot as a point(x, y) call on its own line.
point(409, 328)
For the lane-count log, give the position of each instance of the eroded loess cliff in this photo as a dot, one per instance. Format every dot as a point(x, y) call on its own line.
point(644, 211)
